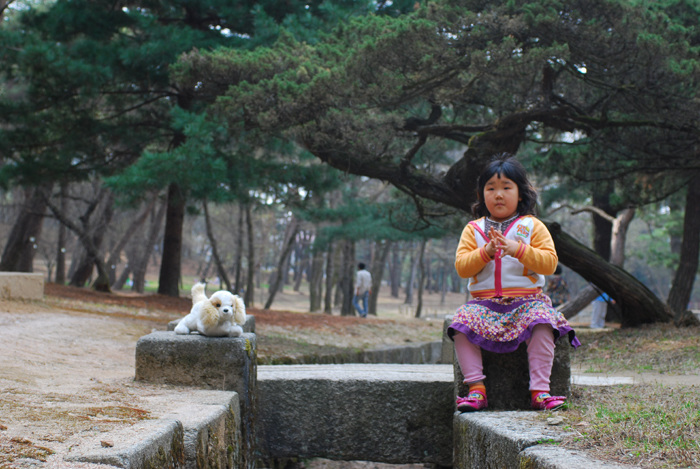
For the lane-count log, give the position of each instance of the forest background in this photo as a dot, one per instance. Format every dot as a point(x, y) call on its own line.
point(238, 140)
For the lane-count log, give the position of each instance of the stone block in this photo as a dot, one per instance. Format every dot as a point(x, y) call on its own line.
point(149, 443)
point(417, 354)
point(508, 379)
point(212, 433)
point(222, 363)
point(554, 457)
point(495, 440)
point(21, 286)
point(249, 325)
point(385, 413)
point(447, 354)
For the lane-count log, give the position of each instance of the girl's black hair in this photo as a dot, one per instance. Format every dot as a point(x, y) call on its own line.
point(504, 164)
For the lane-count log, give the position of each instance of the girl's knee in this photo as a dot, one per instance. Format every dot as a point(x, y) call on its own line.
point(544, 330)
point(542, 340)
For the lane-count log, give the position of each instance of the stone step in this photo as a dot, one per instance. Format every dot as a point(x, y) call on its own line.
point(205, 432)
point(21, 286)
point(384, 413)
point(219, 363)
point(516, 440)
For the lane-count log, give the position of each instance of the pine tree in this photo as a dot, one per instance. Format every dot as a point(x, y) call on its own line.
point(372, 96)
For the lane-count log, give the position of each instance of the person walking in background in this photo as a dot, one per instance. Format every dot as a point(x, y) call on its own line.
point(363, 286)
point(600, 309)
point(557, 290)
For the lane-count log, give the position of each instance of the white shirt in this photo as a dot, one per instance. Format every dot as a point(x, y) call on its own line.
point(363, 282)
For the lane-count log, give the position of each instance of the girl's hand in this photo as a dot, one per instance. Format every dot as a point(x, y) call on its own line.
point(491, 247)
point(505, 247)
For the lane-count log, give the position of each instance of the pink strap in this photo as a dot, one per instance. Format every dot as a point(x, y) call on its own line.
point(512, 225)
point(481, 232)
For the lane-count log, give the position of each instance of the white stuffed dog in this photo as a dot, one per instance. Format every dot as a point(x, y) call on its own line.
point(221, 315)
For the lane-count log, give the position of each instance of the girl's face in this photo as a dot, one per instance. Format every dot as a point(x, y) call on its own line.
point(501, 196)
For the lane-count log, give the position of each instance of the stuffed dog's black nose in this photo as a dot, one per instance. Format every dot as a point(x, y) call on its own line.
point(225, 310)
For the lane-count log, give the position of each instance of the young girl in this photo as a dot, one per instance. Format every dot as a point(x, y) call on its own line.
point(506, 254)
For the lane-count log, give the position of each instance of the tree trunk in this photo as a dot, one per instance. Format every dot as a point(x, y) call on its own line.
point(421, 277)
point(316, 278)
point(277, 277)
point(133, 228)
point(619, 236)
point(339, 292)
point(297, 252)
point(682, 287)
point(123, 277)
point(456, 282)
point(328, 297)
point(377, 275)
point(140, 267)
point(637, 303)
point(18, 255)
point(412, 276)
point(602, 238)
point(395, 271)
point(289, 238)
point(170, 265)
point(61, 245)
point(239, 252)
point(86, 239)
point(84, 271)
point(443, 283)
point(348, 279)
point(620, 225)
point(285, 267)
point(427, 265)
point(302, 260)
point(574, 306)
point(3, 7)
point(250, 281)
point(214, 249)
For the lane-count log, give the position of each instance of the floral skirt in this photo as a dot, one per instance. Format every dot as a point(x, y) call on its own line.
point(502, 324)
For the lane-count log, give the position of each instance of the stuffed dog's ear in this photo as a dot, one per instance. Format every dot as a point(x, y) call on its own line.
point(238, 310)
point(209, 315)
point(198, 293)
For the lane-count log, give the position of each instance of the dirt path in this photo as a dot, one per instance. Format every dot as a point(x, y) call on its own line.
point(67, 368)
point(64, 377)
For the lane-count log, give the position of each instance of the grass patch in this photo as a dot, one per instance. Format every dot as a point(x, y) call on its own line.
point(661, 348)
point(647, 425)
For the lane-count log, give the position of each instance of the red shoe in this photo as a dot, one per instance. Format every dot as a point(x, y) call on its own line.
point(476, 400)
point(543, 401)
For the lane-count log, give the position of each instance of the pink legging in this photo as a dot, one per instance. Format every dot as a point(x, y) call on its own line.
point(540, 355)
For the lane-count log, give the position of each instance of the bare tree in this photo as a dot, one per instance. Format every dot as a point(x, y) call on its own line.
point(620, 225)
point(683, 281)
point(347, 280)
point(140, 267)
point(377, 271)
point(60, 277)
point(316, 277)
point(330, 275)
point(126, 237)
point(238, 263)
point(250, 282)
point(18, 255)
point(214, 248)
point(421, 277)
point(287, 245)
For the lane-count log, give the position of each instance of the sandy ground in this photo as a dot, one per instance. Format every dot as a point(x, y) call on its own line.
point(66, 378)
point(67, 368)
